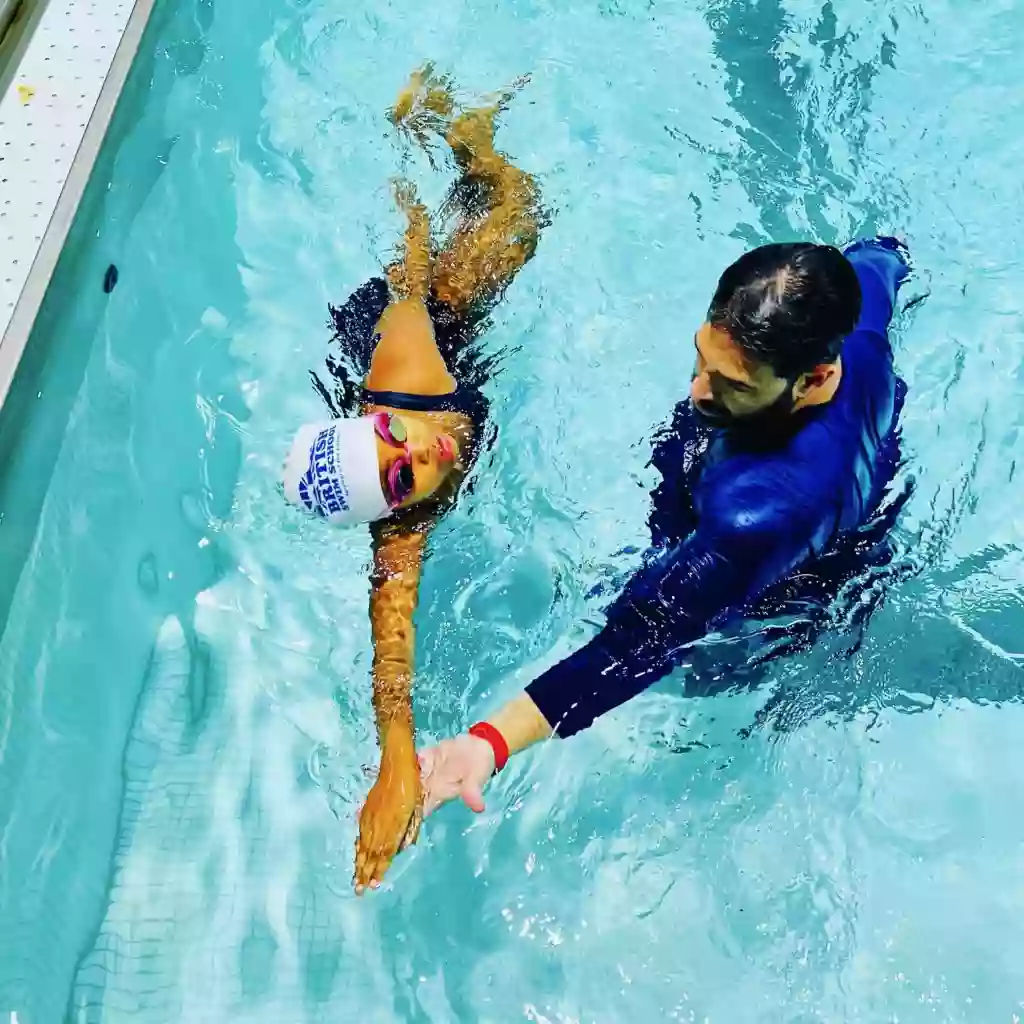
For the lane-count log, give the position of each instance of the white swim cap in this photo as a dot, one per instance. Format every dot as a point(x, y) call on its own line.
point(332, 471)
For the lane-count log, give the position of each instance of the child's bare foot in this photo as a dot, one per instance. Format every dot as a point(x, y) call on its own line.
point(406, 198)
point(471, 134)
point(424, 106)
point(424, 90)
point(502, 100)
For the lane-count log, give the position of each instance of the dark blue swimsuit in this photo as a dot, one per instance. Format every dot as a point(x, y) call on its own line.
point(355, 339)
point(732, 520)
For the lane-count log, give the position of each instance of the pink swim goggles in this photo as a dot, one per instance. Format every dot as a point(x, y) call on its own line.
point(391, 430)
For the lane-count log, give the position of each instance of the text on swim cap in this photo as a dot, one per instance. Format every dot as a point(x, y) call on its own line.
point(322, 488)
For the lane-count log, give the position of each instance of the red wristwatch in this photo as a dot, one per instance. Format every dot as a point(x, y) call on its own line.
point(486, 731)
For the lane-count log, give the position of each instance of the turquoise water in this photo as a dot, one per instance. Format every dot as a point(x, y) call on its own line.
point(184, 693)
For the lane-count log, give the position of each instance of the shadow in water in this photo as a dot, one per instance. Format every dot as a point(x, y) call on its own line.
point(802, 105)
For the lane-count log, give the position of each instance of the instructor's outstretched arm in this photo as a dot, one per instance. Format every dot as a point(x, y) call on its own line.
point(665, 606)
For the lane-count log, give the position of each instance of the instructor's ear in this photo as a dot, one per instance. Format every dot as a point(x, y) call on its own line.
point(814, 378)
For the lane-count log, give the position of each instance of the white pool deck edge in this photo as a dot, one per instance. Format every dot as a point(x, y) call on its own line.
point(54, 116)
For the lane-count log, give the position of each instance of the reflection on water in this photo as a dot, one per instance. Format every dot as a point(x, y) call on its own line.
point(185, 696)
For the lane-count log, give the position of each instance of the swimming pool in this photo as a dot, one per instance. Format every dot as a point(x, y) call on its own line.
point(185, 693)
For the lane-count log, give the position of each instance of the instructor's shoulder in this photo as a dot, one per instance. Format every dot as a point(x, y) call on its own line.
point(759, 504)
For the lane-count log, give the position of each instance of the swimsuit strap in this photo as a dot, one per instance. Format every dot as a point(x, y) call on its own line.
point(454, 401)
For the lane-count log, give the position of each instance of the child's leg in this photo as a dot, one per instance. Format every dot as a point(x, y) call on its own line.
point(495, 239)
point(484, 252)
point(410, 278)
point(406, 357)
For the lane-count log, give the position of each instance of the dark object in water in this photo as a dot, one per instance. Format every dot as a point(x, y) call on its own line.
point(110, 279)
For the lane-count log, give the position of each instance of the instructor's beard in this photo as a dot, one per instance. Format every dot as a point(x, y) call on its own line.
point(765, 424)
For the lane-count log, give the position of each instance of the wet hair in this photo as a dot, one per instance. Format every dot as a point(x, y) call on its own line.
point(788, 305)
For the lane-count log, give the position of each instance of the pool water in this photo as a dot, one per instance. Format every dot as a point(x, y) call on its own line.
point(185, 720)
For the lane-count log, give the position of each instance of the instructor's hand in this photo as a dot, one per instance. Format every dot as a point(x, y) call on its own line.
point(459, 767)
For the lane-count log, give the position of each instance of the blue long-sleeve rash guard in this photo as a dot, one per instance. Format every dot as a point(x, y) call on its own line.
point(729, 520)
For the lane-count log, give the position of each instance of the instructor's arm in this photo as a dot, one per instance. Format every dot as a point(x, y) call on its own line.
point(666, 606)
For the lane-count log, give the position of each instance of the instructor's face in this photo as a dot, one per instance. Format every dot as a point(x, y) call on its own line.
point(728, 386)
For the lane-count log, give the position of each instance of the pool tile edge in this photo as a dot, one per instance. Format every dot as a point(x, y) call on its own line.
point(18, 328)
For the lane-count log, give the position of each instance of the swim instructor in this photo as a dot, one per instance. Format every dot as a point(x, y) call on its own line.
point(782, 451)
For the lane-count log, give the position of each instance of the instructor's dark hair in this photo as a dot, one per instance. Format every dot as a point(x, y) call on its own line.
point(789, 305)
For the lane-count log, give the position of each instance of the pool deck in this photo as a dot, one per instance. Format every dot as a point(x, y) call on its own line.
point(67, 62)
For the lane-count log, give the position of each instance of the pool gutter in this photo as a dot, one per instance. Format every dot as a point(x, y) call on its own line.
point(59, 95)
point(9, 10)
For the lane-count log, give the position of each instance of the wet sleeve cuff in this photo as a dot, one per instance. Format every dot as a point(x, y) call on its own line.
point(881, 267)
